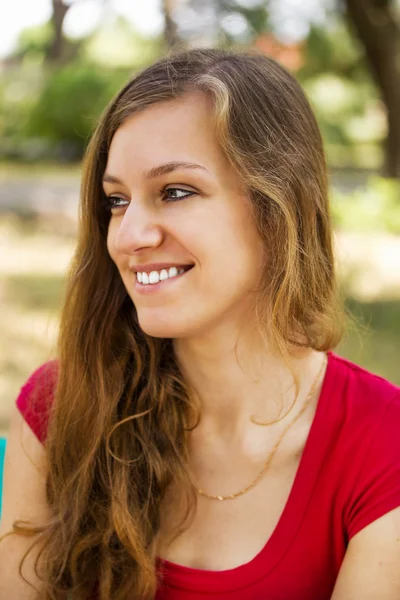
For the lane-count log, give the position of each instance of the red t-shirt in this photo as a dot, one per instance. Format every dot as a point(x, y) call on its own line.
point(348, 476)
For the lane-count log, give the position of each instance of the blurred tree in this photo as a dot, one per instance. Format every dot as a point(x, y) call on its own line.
point(61, 49)
point(328, 60)
point(377, 23)
point(49, 113)
point(220, 22)
point(171, 36)
point(33, 42)
point(345, 98)
point(69, 104)
point(56, 48)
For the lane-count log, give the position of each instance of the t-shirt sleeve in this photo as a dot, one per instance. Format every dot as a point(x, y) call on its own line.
point(36, 396)
point(377, 490)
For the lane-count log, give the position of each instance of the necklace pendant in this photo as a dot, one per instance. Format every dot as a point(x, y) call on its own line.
point(220, 497)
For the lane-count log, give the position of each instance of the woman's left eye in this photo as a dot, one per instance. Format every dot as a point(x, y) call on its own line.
point(176, 194)
point(111, 202)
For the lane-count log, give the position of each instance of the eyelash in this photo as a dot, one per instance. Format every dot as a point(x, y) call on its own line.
point(108, 200)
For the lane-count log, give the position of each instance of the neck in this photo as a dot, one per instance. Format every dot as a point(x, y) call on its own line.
point(239, 377)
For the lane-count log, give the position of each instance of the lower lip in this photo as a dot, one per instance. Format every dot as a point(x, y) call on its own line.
point(152, 288)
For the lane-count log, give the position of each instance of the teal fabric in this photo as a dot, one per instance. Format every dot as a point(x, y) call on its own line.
point(2, 453)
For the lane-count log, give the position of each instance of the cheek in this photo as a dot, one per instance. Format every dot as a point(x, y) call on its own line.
point(111, 233)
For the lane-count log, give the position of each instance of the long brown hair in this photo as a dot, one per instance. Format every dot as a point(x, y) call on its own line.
point(119, 421)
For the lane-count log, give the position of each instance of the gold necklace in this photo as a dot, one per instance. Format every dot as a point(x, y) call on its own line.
point(275, 447)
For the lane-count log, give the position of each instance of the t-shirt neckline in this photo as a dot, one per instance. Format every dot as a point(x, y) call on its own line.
point(277, 545)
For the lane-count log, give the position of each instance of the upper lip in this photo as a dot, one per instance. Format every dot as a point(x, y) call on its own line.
point(147, 268)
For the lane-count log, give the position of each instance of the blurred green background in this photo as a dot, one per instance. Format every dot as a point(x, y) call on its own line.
point(61, 62)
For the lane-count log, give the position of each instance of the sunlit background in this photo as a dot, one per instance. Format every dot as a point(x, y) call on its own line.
point(61, 62)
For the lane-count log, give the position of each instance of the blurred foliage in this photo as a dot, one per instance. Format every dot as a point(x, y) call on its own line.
point(369, 209)
point(50, 111)
point(34, 41)
point(323, 53)
point(54, 118)
point(116, 44)
point(345, 100)
point(372, 337)
point(51, 114)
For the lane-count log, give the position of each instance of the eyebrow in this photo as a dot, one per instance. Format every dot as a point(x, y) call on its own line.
point(154, 172)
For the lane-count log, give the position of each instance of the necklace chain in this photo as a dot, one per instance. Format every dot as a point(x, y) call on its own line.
point(275, 447)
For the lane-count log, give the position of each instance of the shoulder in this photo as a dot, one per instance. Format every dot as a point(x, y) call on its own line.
point(363, 410)
point(35, 397)
point(367, 442)
point(362, 396)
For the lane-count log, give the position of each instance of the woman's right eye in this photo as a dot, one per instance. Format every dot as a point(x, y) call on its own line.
point(115, 202)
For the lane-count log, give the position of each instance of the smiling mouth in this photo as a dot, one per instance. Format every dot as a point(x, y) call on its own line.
point(154, 277)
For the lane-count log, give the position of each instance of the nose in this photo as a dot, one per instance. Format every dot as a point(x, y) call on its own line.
point(138, 229)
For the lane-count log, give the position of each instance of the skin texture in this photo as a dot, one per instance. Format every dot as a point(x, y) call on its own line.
point(207, 312)
point(371, 567)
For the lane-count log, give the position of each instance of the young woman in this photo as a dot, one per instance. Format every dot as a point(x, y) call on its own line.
point(197, 437)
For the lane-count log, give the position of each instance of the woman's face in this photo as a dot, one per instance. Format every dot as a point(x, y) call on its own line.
point(178, 204)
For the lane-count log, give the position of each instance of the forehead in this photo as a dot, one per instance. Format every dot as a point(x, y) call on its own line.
point(180, 129)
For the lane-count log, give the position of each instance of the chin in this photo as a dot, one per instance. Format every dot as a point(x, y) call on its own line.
point(163, 327)
point(173, 324)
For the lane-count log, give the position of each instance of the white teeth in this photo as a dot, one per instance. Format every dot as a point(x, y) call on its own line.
point(154, 277)
point(163, 275)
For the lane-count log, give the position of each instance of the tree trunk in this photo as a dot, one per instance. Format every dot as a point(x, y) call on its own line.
point(171, 37)
point(56, 49)
point(378, 28)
